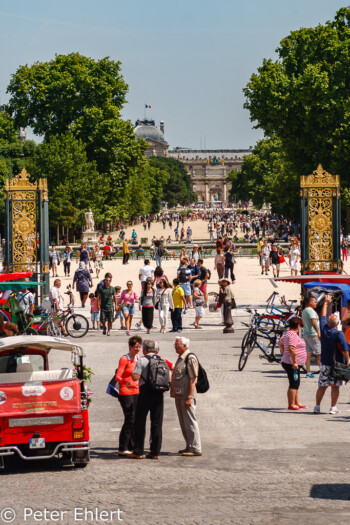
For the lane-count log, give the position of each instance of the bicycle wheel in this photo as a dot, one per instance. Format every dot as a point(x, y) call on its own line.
point(77, 325)
point(248, 344)
point(266, 324)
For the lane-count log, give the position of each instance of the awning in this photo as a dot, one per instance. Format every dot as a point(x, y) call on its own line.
point(322, 278)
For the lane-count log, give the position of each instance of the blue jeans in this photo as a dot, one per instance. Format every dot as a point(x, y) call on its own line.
point(158, 260)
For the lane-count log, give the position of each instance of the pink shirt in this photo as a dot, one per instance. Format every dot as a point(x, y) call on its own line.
point(291, 338)
point(128, 298)
point(94, 305)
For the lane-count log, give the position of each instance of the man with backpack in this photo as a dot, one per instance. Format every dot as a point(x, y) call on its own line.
point(153, 374)
point(183, 390)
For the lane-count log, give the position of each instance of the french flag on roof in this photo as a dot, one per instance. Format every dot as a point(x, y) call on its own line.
point(146, 106)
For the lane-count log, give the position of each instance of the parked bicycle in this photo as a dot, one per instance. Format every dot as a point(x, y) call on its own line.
point(76, 325)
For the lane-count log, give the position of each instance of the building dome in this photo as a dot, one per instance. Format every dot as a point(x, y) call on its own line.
point(148, 130)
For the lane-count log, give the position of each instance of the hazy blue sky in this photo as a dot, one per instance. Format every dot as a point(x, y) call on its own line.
point(188, 59)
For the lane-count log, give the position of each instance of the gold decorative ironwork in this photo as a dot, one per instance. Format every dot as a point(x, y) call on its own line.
point(321, 188)
point(24, 219)
point(319, 177)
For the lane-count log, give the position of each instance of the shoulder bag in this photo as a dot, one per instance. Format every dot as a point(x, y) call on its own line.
point(339, 371)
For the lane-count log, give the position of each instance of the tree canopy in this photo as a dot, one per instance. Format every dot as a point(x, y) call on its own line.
point(301, 101)
point(90, 155)
point(178, 188)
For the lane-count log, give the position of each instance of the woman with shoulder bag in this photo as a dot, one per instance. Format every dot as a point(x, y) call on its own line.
point(164, 304)
point(198, 301)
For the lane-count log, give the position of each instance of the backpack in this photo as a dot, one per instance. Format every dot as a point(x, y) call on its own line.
point(202, 384)
point(209, 274)
point(183, 275)
point(158, 378)
point(161, 250)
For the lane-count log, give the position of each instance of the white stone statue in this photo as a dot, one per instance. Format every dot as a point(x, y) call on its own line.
point(89, 219)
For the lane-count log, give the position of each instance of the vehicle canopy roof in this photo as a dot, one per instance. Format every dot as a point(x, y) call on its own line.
point(38, 342)
point(344, 288)
point(18, 285)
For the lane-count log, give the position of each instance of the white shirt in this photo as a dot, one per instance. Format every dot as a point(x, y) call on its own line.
point(146, 271)
point(294, 255)
point(56, 294)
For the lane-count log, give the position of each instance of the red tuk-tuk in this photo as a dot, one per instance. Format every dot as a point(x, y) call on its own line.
point(43, 412)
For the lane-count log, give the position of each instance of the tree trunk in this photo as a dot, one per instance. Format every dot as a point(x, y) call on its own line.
point(58, 235)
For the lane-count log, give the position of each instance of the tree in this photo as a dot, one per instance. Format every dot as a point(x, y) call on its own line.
point(267, 177)
point(303, 98)
point(178, 189)
point(77, 97)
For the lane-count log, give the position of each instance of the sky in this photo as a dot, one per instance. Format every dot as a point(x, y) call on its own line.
point(188, 59)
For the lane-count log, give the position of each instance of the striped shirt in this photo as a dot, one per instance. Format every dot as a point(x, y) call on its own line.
point(291, 338)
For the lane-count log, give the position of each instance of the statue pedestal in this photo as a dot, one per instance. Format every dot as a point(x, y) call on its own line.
point(90, 237)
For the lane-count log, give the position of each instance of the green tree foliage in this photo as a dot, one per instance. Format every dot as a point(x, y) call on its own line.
point(267, 177)
point(303, 98)
point(75, 103)
point(74, 183)
point(178, 189)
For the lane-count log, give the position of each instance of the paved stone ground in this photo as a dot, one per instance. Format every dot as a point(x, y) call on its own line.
point(261, 464)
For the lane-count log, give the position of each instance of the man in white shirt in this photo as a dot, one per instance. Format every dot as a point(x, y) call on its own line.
point(57, 302)
point(145, 272)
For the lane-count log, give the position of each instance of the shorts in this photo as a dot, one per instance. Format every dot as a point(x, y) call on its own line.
point(203, 288)
point(294, 265)
point(98, 265)
point(294, 384)
point(276, 267)
point(95, 316)
point(107, 315)
point(199, 311)
point(324, 379)
point(265, 261)
point(129, 309)
point(186, 288)
point(313, 344)
point(119, 315)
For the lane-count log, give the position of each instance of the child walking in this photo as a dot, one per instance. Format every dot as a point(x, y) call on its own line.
point(95, 313)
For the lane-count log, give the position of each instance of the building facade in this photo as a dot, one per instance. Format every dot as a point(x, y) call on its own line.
point(208, 169)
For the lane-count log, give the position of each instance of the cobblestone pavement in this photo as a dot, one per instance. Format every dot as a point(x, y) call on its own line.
point(261, 464)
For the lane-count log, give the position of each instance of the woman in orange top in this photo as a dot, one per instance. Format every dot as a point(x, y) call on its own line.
point(128, 394)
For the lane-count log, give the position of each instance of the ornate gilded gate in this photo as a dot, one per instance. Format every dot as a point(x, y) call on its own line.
point(320, 223)
point(27, 227)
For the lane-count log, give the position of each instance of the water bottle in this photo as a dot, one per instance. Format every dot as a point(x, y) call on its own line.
point(295, 375)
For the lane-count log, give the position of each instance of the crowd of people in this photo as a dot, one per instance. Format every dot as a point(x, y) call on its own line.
point(187, 289)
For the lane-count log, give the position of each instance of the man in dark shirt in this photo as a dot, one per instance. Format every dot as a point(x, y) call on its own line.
point(331, 341)
point(107, 300)
point(275, 261)
point(203, 276)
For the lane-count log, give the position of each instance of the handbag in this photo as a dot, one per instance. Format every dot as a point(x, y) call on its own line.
point(282, 259)
point(339, 371)
point(91, 270)
point(113, 387)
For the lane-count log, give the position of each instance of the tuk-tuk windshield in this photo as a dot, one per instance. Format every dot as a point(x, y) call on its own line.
point(21, 363)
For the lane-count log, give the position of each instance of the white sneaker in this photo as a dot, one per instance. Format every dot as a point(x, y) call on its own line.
point(124, 452)
point(334, 411)
point(108, 333)
point(317, 410)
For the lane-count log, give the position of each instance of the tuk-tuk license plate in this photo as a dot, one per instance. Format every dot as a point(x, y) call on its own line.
point(37, 443)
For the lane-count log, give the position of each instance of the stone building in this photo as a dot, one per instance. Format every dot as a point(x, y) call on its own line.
point(157, 146)
point(208, 169)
